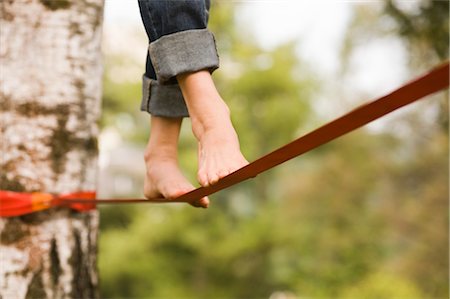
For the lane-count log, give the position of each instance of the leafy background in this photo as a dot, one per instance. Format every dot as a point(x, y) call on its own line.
point(365, 216)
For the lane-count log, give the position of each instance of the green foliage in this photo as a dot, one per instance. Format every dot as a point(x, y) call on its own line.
point(381, 286)
point(426, 32)
point(189, 265)
point(268, 98)
point(426, 29)
point(122, 97)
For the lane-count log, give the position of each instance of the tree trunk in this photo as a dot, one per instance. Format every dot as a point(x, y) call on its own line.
point(50, 95)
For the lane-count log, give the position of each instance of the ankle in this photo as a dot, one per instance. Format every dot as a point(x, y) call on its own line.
point(160, 154)
point(211, 119)
point(163, 141)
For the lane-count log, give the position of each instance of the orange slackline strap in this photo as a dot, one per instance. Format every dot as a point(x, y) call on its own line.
point(431, 82)
point(436, 80)
point(21, 203)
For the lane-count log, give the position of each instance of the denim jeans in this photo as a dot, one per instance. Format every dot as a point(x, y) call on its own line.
point(179, 42)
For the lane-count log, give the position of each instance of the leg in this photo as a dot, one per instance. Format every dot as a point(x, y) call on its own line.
point(219, 152)
point(165, 103)
point(163, 177)
point(180, 43)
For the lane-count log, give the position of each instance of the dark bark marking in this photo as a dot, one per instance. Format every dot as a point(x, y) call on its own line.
point(55, 264)
point(77, 262)
point(33, 109)
point(10, 184)
point(36, 287)
point(62, 140)
point(5, 14)
point(13, 231)
point(80, 85)
point(56, 4)
point(97, 17)
point(40, 217)
point(15, 183)
point(75, 29)
point(90, 145)
point(82, 286)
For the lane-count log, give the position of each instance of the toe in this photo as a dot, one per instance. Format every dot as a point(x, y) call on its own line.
point(216, 176)
point(150, 192)
point(213, 178)
point(203, 178)
point(178, 191)
point(204, 202)
point(201, 203)
point(223, 172)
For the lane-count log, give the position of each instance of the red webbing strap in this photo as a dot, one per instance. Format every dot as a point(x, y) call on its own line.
point(21, 203)
point(436, 80)
point(432, 82)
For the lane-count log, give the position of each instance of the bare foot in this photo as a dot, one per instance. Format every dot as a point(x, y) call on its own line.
point(163, 177)
point(219, 152)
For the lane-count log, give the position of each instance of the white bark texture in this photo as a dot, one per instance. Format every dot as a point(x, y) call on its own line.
point(50, 87)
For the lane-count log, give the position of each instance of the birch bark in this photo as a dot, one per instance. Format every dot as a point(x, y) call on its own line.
point(50, 88)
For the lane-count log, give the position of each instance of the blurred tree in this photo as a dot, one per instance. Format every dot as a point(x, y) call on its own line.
point(424, 26)
point(414, 189)
point(335, 230)
point(50, 95)
point(421, 25)
point(423, 180)
point(120, 102)
point(415, 204)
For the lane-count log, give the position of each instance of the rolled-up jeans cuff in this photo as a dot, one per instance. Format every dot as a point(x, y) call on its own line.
point(182, 52)
point(162, 100)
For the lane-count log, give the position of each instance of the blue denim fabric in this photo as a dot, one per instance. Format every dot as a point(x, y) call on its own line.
point(179, 42)
point(165, 17)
